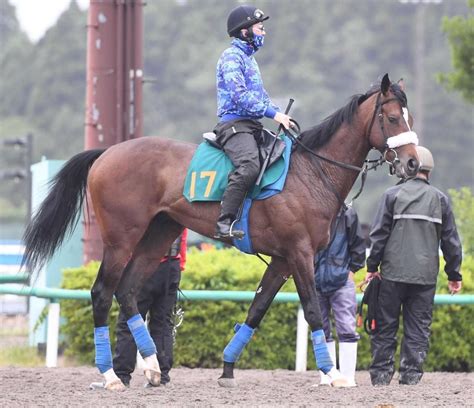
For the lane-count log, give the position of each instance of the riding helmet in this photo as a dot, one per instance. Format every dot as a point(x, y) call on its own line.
point(426, 158)
point(244, 17)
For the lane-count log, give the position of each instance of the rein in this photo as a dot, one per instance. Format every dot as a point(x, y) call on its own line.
point(330, 186)
point(365, 168)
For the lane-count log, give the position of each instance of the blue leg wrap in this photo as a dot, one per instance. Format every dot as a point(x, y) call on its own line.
point(243, 334)
point(142, 337)
point(103, 352)
point(323, 359)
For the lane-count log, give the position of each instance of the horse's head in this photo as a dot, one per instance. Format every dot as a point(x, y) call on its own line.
point(390, 131)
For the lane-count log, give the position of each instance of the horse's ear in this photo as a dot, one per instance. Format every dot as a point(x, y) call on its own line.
point(384, 87)
point(401, 84)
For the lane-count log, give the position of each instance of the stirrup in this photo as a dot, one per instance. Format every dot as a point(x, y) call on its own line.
point(237, 234)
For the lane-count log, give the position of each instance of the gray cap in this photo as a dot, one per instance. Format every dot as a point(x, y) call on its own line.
point(426, 158)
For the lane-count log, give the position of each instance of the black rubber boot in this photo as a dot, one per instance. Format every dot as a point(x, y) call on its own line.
point(411, 378)
point(224, 228)
point(381, 379)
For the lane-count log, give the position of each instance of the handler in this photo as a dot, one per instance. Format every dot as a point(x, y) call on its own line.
point(412, 220)
point(334, 275)
point(241, 102)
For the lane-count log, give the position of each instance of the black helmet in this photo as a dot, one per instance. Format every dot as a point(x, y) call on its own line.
point(244, 17)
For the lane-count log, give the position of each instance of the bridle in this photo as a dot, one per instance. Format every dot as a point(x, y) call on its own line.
point(391, 142)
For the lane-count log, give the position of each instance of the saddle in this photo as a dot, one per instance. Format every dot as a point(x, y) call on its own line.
point(207, 177)
point(264, 140)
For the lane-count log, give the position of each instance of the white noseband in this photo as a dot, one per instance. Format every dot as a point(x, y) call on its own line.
point(402, 139)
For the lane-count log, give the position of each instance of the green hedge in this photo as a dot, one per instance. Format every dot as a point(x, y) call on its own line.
point(208, 326)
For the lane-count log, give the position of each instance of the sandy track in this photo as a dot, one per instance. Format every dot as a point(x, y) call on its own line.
point(59, 387)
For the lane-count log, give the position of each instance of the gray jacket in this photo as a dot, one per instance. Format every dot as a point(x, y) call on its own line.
point(412, 220)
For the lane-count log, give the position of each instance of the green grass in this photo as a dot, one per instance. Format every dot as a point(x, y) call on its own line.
point(21, 356)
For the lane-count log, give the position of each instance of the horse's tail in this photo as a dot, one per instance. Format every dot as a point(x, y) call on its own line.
point(59, 213)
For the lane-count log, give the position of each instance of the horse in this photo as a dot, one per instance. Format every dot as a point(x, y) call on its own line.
point(136, 189)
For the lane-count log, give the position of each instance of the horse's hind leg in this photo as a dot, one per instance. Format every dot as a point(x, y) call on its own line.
point(102, 292)
point(273, 279)
point(158, 238)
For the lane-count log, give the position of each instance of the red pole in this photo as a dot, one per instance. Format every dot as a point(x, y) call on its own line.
point(138, 68)
point(101, 75)
point(114, 86)
point(120, 69)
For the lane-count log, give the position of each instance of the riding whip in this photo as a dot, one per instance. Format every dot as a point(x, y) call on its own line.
point(267, 159)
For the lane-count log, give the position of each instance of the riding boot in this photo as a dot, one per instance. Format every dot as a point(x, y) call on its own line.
point(224, 228)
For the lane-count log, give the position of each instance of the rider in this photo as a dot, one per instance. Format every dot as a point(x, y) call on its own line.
point(241, 102)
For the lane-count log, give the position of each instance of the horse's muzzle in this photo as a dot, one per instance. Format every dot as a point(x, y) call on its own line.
point(412, 166)
point(405, 169)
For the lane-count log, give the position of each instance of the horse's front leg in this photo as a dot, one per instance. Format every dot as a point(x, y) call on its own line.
point(273, 279)
point(303, 275)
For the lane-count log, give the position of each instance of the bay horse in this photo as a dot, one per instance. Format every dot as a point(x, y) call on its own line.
point(136, 189)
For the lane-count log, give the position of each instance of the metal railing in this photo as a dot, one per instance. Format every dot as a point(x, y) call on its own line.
point(201, 295)
point(14, 278)
point(192, 295)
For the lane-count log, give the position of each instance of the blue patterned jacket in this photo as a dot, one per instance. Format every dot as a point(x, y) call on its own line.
point(240, 91)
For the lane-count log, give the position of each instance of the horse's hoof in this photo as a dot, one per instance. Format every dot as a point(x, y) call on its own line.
point(227, 382)
point(115, 385)
point(153, 377)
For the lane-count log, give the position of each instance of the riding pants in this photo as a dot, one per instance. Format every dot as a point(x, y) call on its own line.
point(238, 142)
point(416, 302)
point(158, 298)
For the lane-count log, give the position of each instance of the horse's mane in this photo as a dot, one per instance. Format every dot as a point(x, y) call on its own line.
point(319, 135)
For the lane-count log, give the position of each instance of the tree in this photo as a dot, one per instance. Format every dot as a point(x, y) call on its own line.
point(319, 52)
point(460, 31)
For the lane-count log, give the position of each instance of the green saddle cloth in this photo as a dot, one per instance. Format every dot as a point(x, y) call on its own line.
point(208, 173)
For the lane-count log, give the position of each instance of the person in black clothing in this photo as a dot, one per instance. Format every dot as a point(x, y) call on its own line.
point(157, 298)
point(412, 221)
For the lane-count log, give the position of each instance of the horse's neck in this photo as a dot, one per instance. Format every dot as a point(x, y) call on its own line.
point(348, 145)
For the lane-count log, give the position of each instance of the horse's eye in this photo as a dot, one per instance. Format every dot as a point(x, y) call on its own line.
point(392, 119)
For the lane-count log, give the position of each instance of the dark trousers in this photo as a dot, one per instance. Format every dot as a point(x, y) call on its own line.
point(157, 298)
point(242, 149)
point(416, 302)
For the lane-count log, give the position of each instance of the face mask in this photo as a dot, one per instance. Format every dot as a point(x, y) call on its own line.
point(258, 41)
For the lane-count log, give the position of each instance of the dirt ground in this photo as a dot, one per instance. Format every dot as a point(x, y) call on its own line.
point(61, 387)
